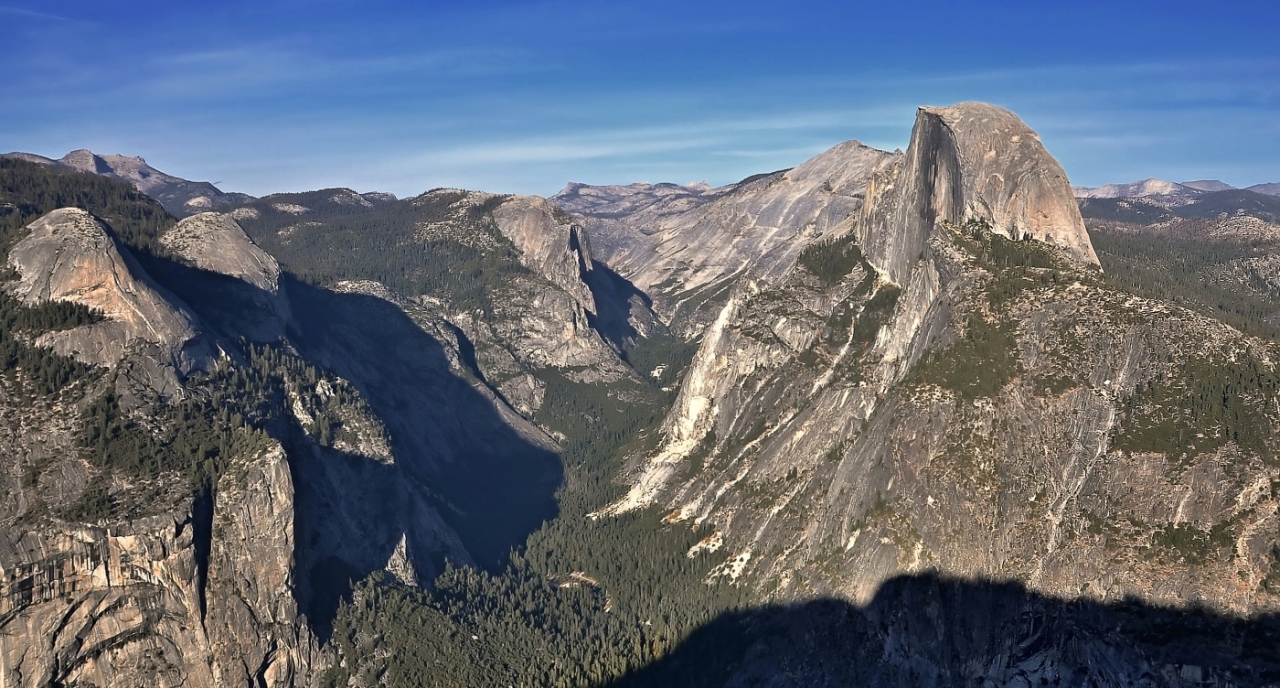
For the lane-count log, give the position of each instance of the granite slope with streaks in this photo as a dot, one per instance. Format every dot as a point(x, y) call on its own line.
point(816, 434)
point(69, 256)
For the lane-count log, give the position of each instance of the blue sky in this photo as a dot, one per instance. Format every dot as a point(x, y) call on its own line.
point(287, 95)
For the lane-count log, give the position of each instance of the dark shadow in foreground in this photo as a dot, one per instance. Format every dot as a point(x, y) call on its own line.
point(927, 630)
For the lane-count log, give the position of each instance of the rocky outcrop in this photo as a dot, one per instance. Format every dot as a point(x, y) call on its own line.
point(686, 249)
point(199, 597)
point(215, 242)
point(253, 306)
point(69, 256)
point(547, 318)
point(1007, 178)
point(550, 244)
point(969, 162)
point(251, 617)
point(103, 606)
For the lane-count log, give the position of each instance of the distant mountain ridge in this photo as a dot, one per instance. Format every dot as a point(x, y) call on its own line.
point(1170, 193)
point(1209, 185)
point(181, 197)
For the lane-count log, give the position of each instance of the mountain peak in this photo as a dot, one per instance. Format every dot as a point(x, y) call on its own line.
point(972, 110)
point(179, 196)
point(69, 256)
point(1138, 189)
point(216, 242)
point(85, 160)
point(970, 161)
point(1208, 185)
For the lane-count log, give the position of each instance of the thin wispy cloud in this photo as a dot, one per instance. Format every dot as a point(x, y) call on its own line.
point(19, 12)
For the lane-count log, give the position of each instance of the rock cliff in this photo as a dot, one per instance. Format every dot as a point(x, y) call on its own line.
point(250, 599)
point(216, 243)
point(69, 256)
point(103, 606)
point(960, 399)
point(686, 249)
point(553, 320)
point(969, 161)
point(147, 602)
point(550, 244)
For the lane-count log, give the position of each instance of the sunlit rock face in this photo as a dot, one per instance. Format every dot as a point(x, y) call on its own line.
point(69, 256)
point(549, 244)
point(201, 596)
point(687, 246)
point(971, 161)
point(215, 242)
point(958, 400)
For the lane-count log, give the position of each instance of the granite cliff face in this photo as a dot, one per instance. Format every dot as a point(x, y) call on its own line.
point(103, 606)
point(967, 396)
point(216, 243)
point(111, 577)
point(550, 244)
point(969, 161)
point(69, 256)
point(551, 327)
point(686, 250)
point(250, 609)
point(145, 601)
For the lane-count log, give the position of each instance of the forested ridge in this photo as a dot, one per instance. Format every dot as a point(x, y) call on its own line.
point(392, 243)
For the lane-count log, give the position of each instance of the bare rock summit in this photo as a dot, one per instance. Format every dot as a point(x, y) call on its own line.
point(216, 242)
point(970, 161)
point(179, 196)
point(68, 256)
point(550, 243)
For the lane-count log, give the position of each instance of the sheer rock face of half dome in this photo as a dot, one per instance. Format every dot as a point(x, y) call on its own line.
point(970, 161)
